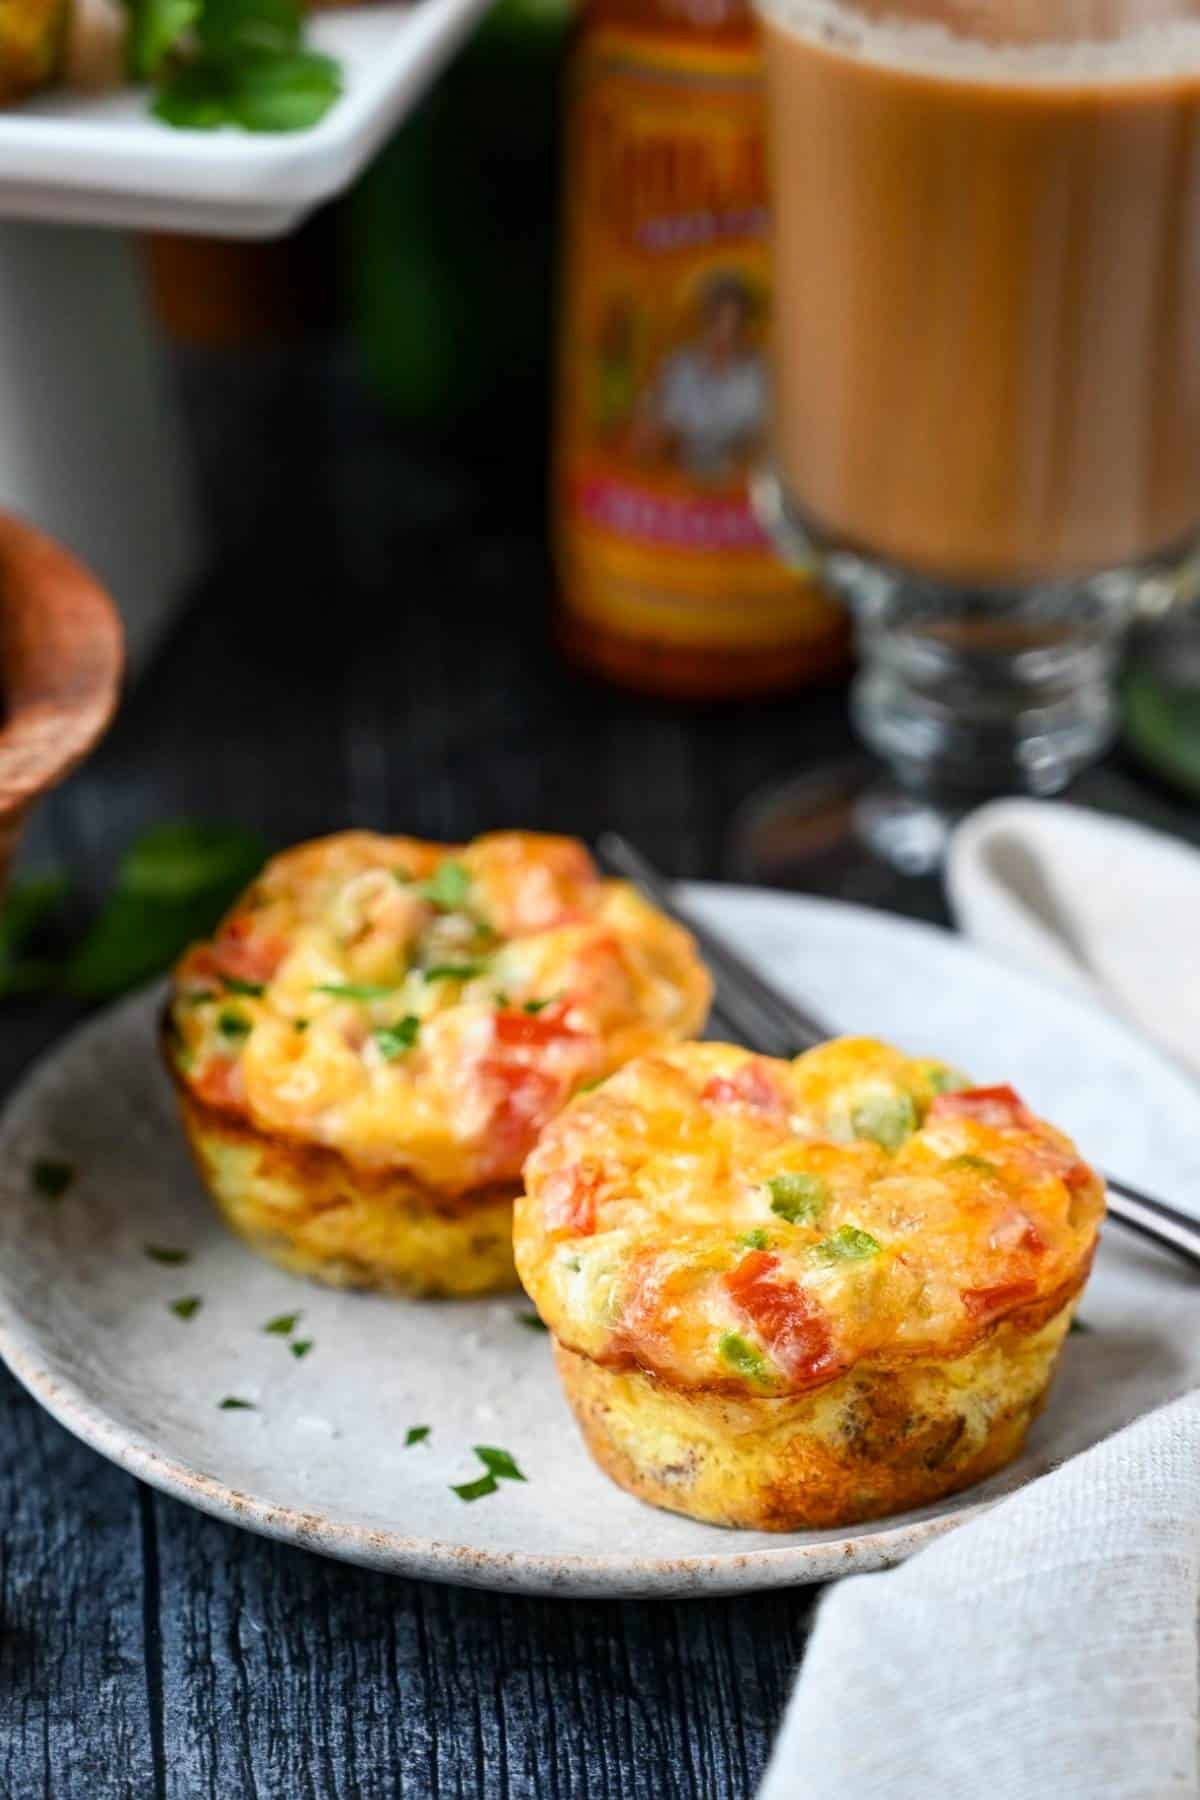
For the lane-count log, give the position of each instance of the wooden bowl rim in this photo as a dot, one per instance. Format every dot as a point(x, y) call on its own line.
point(58, 706)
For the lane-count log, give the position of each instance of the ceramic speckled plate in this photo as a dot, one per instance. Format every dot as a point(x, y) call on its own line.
point(321, 1460)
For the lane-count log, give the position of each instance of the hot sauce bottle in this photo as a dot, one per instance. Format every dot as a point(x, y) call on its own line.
point(667, 580)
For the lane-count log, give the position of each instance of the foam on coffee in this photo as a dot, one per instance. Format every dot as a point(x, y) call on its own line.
point(1022, 40)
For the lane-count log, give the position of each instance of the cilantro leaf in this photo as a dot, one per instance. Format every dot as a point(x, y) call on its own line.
point(162, 1253)
point(449, 887)
point(498, 1463)
point(475, 1490)
point(394, 1040)
point(265, 90)
point(173, 885)
point(155, 28)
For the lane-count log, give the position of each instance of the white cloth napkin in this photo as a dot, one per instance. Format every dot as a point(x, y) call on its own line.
point(1090, 902)
point(1047, 1649)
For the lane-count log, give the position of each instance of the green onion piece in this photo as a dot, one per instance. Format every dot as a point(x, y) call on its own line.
point(531, 1321)
point(979, 1163)
point(300, 1347)
point(187, 1307)
point(848, 1244)
point(752, 1240)
point(454, 971)
point(742, 1356)
point(475, 1490)
point(51, 1178)
point(797, 1197)
point(231, 1403)
point(449, 887)
point(394, 1040)
point(235, 985)
point(233, 1025)
point(162, 1253)
point(498, 1463)
point(282, 1325)
point(942, 1079)
point(354, 990)
point(887, 1119)
point(416, 1434)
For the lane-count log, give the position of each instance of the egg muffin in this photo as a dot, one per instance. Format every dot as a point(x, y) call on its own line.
point(796, 1295)
point(366, 1050)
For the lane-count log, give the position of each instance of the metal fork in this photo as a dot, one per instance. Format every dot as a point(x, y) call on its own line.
point(751, 1010)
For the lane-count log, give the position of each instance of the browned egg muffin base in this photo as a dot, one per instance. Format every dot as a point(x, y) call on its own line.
point(314, 1213)
point(876, 1440)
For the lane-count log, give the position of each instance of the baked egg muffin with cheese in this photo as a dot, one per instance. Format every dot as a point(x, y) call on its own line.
point(795, 1295)
point(366, 1050)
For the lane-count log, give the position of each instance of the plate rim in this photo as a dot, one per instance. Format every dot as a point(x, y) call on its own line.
point(874, 1546)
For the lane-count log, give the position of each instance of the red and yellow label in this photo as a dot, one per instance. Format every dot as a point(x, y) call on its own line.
point(663, 378)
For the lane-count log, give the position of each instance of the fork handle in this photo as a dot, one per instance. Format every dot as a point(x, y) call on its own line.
point(1155, 1220)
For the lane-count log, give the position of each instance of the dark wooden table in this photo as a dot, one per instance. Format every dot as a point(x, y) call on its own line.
point(370, 646)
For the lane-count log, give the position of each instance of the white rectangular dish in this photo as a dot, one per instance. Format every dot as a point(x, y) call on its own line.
point(82, 160)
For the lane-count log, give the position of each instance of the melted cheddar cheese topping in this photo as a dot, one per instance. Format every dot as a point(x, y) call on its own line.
point(726, 1221)
point(427, 1007)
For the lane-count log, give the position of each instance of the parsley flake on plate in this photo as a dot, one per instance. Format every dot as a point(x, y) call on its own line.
point(186, 1307)
point(163, 1253)
point(232, 1403)
point(300, 1347)
point(416, 1434)
point(498, 1463)
point(531, 1321)
point(51, 1178)
point(283, 1324)
point(475, 1490)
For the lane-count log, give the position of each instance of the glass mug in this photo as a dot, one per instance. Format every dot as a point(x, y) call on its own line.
point(986, 366)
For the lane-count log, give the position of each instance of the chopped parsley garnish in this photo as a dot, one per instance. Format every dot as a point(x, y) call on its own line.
point(233, 1025)
point(51, 1178)
point(475, 1490)
point(1080, 1325)
point(498, 1463)
point(742, 1356)
point(235, 985)
point(416, 1434)
point(163, 1253)
point(501, 999)
point(300, 1347)
point(187, 1307)
point(752, 1240)
point(454, 971)
point(797, 1197)
point(848, 1244)
point(394, 1040)
point(231, 1403)
point(537, 1006)
point(354, 990)
point(449, 887)
point(589, 1087)
point(531, 1321)
point(887, 1119)
point(283, 1324)
point(300, 1024)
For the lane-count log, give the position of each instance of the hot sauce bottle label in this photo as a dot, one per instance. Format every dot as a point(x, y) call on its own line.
point(663, 385)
